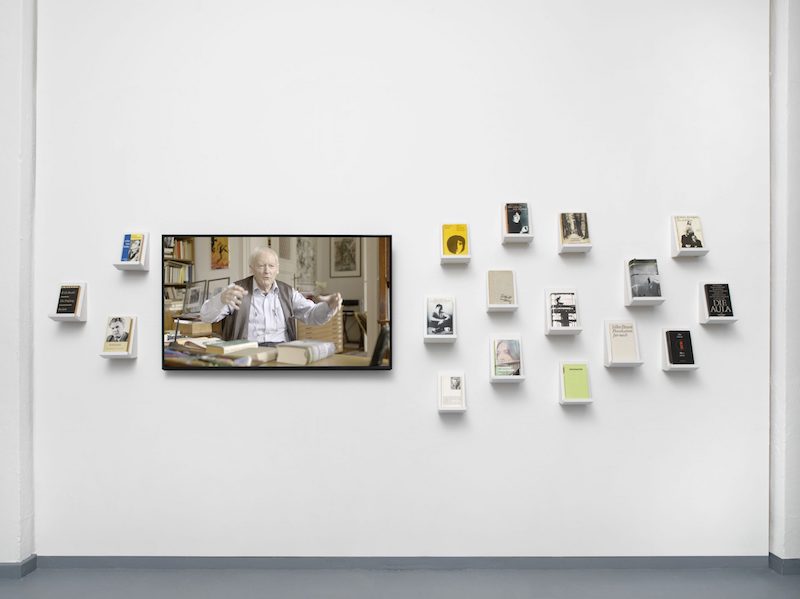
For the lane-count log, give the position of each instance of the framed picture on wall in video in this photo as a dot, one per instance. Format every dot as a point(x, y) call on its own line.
point(345, 256)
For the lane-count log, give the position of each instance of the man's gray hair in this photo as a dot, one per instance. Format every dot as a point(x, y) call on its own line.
point(262, 250)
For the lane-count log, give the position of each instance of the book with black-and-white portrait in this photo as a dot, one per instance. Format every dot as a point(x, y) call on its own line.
point(562, 314)
point(501, 291)
point(440, 319)
point(573, 229)
point(452, 391)
point(688, 238)
point(119, 334)
point(642, 282)
point(516, 223)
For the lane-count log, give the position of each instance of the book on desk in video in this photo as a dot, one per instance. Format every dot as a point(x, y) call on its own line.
point(304, 351)
point(228, 347)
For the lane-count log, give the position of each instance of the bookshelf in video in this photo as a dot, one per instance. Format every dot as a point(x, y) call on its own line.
point(178, 273)
point(279, 301)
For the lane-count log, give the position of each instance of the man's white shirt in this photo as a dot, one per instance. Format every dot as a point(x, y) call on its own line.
point(266, 320)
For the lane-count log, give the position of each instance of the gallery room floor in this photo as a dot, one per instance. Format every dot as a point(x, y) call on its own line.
point(711, 583)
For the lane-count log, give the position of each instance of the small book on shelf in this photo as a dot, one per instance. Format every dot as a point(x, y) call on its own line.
point(687, 237)
point(621, 344)
point(120, 337)
point(454, 245)
point(573, 232)
point(501, 291)
point(452, 392)
point(716, 305)
point(507, 365)
point(516, 223)
point(574, 378)
point(562, 315)
point(71, 305)
point(440, 319)
point(134, 252)
point(642, 282)
point(304, 351)
point(677, 350)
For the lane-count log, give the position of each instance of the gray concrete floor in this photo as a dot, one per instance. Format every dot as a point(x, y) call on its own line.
point(711, 583)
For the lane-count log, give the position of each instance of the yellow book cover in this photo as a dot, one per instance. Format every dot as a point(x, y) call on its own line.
point(455, 240)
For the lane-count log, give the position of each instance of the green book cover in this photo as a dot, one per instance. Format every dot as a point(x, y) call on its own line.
point(576, 381)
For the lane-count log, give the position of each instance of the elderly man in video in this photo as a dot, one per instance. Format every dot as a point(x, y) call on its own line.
point(261, 308)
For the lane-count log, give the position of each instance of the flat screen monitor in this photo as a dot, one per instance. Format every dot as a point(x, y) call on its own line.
point(266, 302)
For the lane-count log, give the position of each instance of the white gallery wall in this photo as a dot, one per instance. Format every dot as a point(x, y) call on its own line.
point(17, 75)
point(392, 118)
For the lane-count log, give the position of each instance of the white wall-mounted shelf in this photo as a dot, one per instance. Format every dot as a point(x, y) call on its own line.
point(451, 391)
point(566, 295)
point(510, 353)
point(574, 392)
point(627, 354)
point(668, 366)
point(131, 352)
point(703, 308)
point(631, 299)
point(68, 300)
point(143, 263)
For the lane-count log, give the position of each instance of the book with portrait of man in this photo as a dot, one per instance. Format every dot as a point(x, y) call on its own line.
point(132, 247)
point(119, 334)
point(440, 317)
point(452, 392)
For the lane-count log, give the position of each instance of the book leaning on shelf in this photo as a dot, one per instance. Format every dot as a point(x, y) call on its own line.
point(302, 352)
point(132, 247)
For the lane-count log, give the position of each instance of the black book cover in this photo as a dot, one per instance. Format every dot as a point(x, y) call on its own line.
point(68, 300)
point(679, 345)
point(718, 299)
point(517, 218)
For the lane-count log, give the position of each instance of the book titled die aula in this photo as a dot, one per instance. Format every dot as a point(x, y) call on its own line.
point(718, 300)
